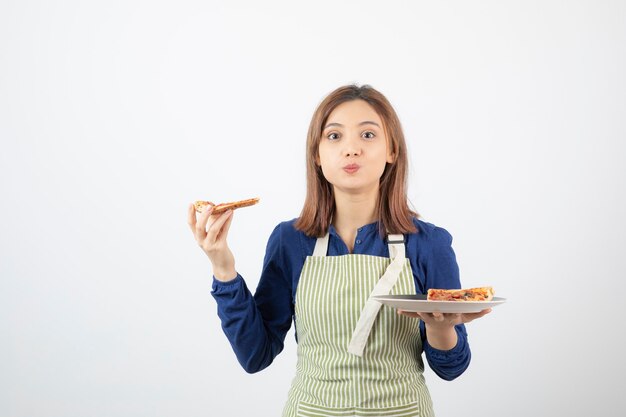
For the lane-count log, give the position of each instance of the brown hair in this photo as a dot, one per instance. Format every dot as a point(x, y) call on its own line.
point(394, 214)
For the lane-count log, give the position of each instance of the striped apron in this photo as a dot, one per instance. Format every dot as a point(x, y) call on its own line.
point(354, 357)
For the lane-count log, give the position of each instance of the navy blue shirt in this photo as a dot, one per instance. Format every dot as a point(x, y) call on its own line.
point(256, 325)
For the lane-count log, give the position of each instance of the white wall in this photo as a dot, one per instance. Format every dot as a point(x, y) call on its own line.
point(115, 115)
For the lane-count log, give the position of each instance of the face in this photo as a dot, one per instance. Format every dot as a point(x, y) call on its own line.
point(354, 149)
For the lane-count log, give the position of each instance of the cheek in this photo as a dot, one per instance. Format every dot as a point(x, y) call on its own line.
point(323, 155)
point(382, 158)
point(382, 154)
point(326, 163)
point(318, 155)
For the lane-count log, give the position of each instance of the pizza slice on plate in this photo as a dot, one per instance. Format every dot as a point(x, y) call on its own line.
point(470, 294)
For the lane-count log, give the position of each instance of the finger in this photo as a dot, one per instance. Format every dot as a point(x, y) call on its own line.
point(408, 314)
point(467, 317)
point(438, 317)
point(481, 313)
point(215, 228)
point(431, 317)
point(191, 217)
point(200, 230)
point(224, 232)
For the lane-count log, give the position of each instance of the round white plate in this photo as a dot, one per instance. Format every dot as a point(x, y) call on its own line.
point(418, 303)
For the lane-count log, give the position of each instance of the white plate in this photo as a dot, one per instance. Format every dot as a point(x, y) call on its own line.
point(418, 303)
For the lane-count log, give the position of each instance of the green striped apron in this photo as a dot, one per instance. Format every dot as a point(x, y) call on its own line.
point(354, 357)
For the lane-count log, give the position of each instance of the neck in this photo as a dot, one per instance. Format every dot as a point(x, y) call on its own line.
point(353, 211)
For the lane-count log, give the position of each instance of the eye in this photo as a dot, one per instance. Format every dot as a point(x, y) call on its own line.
point(333, 136)
point(369, 135)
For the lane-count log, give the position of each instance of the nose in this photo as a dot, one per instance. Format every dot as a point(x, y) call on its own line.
point(352, 146)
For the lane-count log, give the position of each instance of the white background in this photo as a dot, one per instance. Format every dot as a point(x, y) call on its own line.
point(115, 115)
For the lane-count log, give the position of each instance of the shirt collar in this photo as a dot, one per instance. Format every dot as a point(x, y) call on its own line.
point(363, 229)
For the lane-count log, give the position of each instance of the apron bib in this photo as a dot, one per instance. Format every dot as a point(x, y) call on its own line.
point(355, 356)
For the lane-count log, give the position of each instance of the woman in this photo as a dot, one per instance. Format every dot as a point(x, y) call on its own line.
point(356, 236)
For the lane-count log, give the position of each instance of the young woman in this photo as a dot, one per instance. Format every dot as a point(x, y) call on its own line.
point(356, 236)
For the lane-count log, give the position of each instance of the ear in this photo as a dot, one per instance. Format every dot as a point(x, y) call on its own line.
point(391, 154)
point(317, 160)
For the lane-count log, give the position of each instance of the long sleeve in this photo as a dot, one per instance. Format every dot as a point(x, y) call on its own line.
point(442, 271)
point(256, 325)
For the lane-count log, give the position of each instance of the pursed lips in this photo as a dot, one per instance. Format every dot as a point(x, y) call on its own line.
point(351, 168)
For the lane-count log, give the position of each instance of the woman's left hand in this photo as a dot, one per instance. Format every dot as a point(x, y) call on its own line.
point(443, 320)
point(440, 331)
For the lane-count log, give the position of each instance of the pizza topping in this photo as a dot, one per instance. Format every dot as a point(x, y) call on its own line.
point(470, 294)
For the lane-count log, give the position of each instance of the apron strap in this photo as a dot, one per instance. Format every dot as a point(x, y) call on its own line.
point(321, 246)
point(396, 245)
point(383, 287)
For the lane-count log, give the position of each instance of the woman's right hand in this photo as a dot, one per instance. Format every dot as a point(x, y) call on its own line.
point(210, 232)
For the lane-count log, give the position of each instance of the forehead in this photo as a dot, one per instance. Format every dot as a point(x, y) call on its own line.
point(353, 112)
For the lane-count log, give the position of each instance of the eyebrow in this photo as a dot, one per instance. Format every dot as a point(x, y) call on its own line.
point(367, 122)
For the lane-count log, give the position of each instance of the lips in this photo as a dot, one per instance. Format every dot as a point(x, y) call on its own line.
point(351, 168)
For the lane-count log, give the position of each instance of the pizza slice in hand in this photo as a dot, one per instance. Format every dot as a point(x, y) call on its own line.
point(220, 208)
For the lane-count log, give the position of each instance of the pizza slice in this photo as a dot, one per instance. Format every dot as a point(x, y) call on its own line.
point(470, 294)
point(220, 208)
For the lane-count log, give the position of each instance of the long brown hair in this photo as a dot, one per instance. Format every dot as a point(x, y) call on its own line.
point(394, 214)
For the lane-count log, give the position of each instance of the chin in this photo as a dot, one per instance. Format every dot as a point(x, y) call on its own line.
point(355, 187)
